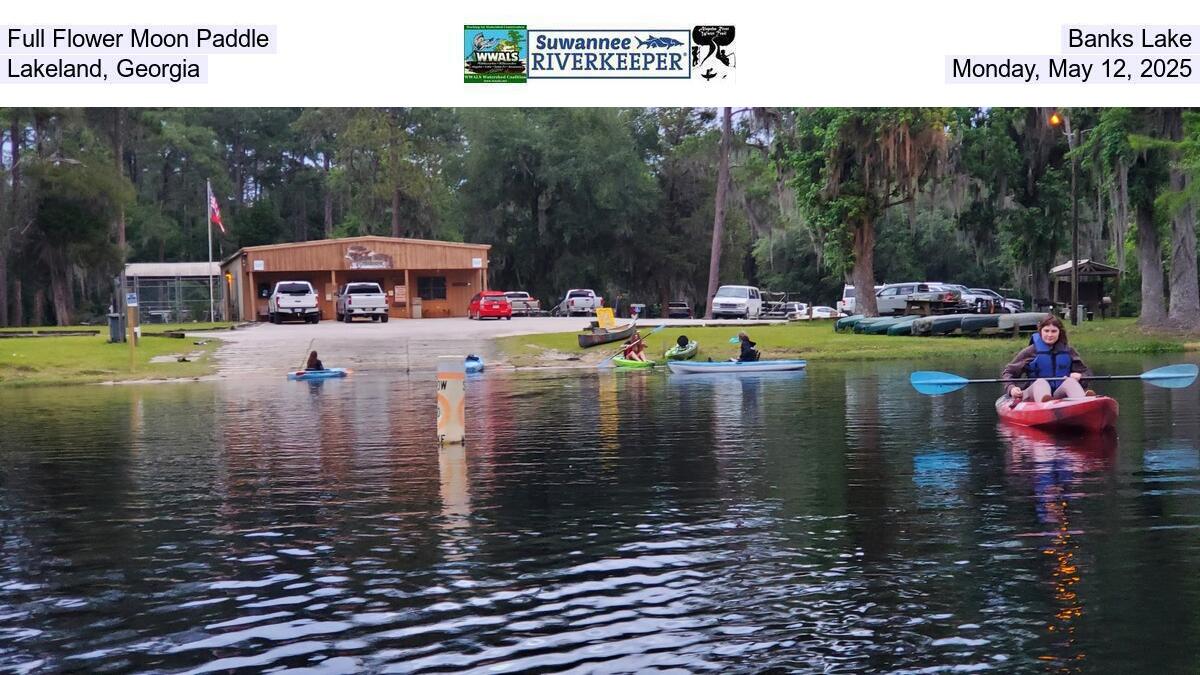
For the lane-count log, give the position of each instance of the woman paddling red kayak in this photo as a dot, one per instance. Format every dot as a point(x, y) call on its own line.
point(1053, 365)
point(1056, 397)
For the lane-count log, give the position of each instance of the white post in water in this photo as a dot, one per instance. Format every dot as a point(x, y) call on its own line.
point(451, 400)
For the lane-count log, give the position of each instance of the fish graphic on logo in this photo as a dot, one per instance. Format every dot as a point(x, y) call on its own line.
point(660, 42)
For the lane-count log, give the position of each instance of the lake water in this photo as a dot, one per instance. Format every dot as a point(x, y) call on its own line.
point(834, 521)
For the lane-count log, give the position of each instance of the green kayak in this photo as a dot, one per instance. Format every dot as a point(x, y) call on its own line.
point(903, 326)
point(972, 325)
point(630, 363)
point(862, 326)
point(847, 322)
point(677, 353)
point(882, 326)
point(946, 324)
point(923, 325)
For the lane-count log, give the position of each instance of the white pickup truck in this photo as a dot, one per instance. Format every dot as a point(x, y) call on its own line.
point(580, 301)
point(361, 298)
point(293, 300)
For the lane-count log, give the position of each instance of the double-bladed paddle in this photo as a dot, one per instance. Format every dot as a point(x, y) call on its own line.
point(933, 383)
point(609, 359)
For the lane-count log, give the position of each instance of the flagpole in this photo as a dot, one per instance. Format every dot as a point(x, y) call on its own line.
point(208, 208)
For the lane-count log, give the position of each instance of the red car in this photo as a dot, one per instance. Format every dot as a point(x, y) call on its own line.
point(489, 303)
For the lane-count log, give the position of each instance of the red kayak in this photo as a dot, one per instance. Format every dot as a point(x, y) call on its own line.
point(1088, 414)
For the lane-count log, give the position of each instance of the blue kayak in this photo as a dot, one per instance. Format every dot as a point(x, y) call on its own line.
point(474, 364)
point(736, 366)
point(317, 374)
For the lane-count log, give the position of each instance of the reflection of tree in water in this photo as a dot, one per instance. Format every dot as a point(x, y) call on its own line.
point(1058, 466)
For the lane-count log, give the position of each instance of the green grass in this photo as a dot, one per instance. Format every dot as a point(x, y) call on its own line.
point(87, 359)
point(818, 341)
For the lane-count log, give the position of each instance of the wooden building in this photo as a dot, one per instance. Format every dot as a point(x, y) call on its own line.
point(1091, 275)
point(422, 278)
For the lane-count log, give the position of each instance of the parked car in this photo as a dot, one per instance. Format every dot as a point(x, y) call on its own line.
point(978, 302)
point(579, 301)
point(894, 298)
point(823, 312)
point(361, 298)
point(489, 303)
point(737, 302)
point(522, 303)
point(1010, 305)
point(794, 311)
point(293, 300)
point(680, 310)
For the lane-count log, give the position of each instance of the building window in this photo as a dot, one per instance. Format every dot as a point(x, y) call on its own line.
point(431, 288)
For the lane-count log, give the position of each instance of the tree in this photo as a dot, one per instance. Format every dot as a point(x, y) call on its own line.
point(1179, 140)
point(718, 232)
point(559, 193)
point(852, 165)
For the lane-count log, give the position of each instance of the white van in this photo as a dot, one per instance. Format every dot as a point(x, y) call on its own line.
point(737, 302)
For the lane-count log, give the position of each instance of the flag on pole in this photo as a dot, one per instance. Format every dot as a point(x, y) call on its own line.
point(214, 211)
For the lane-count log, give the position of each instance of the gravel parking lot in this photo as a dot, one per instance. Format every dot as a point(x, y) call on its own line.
point(395, 345)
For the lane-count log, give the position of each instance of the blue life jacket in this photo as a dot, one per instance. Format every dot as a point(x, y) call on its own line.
point(1052, 364)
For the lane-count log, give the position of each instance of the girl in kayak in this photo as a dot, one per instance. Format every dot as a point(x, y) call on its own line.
point(313, 362)
point(748, 352)
point(635, 348)
point(1055, 364)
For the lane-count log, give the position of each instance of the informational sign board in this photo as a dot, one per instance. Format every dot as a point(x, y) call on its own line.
point(131, 300)
point(477, 262)
point(260, 265)
point(401, 294)
point(604, 316)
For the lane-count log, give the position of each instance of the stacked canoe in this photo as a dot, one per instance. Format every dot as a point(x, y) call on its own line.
point(942, 324)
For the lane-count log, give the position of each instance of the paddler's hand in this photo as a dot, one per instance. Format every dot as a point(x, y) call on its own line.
point(1077, 376)
point(1015, 392)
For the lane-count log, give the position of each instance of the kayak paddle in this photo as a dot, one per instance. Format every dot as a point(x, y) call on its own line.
point(933, 383)
point(622, 349)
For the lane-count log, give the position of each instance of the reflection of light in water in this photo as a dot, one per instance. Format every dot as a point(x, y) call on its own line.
point(1058, 464)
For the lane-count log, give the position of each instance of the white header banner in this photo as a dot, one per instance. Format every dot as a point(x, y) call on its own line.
point(703, 53)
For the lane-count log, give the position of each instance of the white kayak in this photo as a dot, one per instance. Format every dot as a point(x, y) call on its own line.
point(735, 366)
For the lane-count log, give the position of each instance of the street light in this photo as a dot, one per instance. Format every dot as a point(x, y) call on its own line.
point(1072, 140)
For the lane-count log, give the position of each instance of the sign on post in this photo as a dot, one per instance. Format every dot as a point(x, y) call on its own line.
point(131, 300)
point(604, 317)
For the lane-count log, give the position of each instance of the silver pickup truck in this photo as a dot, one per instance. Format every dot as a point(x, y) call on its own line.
point(361, 298)
point(523, 304)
